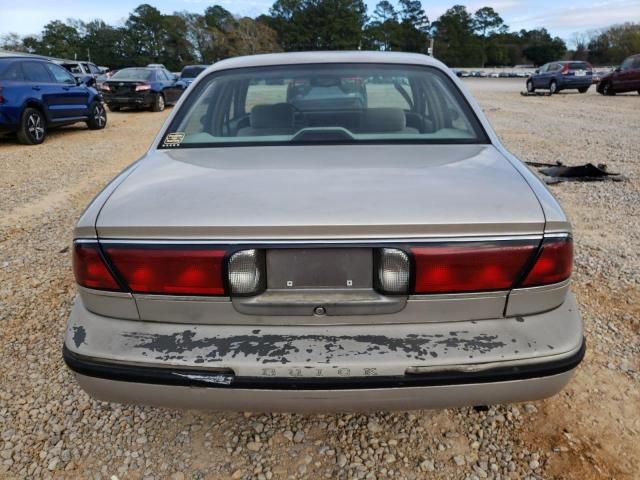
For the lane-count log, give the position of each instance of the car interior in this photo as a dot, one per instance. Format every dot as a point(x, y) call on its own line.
point(336, 107)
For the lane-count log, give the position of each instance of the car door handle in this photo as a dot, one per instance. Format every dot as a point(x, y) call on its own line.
point(65, 88)
point(36, 88)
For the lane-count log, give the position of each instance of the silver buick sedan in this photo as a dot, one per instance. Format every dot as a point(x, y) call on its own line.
point(324, 231)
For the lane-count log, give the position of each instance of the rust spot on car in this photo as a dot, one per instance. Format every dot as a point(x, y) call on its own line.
point(79, 336)
point(279, 348)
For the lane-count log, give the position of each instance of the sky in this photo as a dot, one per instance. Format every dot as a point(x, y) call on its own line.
point(561, 18)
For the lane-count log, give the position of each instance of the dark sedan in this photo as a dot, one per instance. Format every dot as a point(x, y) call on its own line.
point(562, 75)
point(151, 88)
point(625, 78)
point(190, 72)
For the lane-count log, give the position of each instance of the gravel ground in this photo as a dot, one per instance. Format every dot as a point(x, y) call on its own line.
point(50, 429)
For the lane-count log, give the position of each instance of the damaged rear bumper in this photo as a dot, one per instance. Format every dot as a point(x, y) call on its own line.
point(324, 368)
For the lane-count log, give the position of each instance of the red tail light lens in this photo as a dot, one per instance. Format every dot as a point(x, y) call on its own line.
point(105, 87)
point(172, 270)
point(554, 263)
point(143, 87)
point(565, 69)
point(468, 267)
point(89, 268)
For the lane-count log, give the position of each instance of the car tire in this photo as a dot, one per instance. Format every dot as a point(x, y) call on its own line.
point(97, 116)
point(583, 90)
point(607, 90)
point(530, 87)
point(114, 108)
point(33, 127)
point(158, 103)
point(553, 87)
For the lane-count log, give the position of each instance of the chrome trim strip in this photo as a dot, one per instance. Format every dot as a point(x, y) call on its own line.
point(469, 238)
point(178, 298)
point(460, 295)
point(103, 293)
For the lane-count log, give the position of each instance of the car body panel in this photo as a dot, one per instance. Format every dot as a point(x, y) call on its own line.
point(248, 350)
point(295, 192)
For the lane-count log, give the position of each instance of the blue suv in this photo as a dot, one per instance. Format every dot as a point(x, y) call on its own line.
point(562, 75)
point(36, 94)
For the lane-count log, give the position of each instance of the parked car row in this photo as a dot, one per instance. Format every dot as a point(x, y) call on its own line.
point(37, 94)
point(566, 75)
point(485, 74)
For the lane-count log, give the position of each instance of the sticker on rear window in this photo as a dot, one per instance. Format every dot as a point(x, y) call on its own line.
point(173, 139)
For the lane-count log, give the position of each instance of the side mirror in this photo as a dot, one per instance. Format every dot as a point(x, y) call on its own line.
point(537, 71)
point(176, 77)
point(618, 69)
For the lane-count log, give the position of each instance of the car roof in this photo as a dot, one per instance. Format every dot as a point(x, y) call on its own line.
point(23, 57)
point(298, 58)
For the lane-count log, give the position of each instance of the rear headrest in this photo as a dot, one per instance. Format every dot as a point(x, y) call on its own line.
point(279, 115)
point(380, 120)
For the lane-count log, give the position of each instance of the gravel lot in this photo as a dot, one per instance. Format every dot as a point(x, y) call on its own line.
point(49, 428)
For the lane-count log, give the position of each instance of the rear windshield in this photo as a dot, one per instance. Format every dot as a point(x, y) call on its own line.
point(579, 66)
point(191, 72)
point(133, 74)
point(350, 103)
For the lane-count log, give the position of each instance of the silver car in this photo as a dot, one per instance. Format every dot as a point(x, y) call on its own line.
point(324, 231)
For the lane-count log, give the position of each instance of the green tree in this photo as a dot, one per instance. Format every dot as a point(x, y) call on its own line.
point(381, 32)
point(456, 44)
point(614, 44)
point(60, 40)
point(486, 21)
point(145, 35)
point(414, 27)
point(541, 47)
point(319, 24)
point(13, 42)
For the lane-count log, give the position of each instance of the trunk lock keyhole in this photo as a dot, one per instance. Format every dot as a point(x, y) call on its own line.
point(319, 311)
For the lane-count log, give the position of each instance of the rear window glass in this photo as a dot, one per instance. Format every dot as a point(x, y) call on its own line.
point(351, 103)
point(133, 74)
point(191, 72)
point(579, 66)
point(36, 72)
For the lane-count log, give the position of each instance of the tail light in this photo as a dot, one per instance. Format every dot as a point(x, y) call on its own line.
point(89, 268)
point(468, 267)
point(565, 69)
point(105, 87)
point(553, 265)
point(473, 267)
point(246, 272)
point(169, 270)
point(143, 87)
point(1, 97)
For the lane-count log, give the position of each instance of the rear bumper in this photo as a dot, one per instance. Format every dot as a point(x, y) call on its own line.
point(576, 82)
point(319, 368)
point(132, 100)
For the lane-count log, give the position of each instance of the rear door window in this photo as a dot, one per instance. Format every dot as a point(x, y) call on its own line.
point(36, 72)
point(60, 74)
point(12, 73)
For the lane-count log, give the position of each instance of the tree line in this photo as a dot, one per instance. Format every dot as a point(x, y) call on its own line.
point(460, 38)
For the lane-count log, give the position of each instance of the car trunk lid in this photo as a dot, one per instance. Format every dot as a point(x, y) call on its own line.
point(319, 192)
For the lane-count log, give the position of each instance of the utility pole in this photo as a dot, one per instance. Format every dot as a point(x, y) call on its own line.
point(430, 48)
